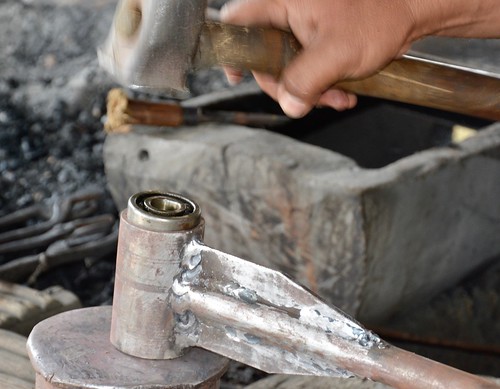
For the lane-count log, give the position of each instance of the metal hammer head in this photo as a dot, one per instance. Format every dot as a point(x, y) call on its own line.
point(154, 230)
point(152, 43)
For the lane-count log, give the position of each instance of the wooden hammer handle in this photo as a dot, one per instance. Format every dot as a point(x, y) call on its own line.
point(408, 80)
point(414, 81)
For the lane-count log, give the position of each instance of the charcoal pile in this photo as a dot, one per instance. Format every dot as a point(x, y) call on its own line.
point(52, 100)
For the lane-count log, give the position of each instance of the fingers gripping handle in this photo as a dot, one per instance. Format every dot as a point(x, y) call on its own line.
point(408, 80)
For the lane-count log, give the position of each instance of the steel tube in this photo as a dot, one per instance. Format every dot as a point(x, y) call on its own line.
point(260, 317)
point(402, 369)
point(174, 293)
point(149, 254)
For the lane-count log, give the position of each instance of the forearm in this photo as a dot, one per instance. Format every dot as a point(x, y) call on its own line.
point(456, 18)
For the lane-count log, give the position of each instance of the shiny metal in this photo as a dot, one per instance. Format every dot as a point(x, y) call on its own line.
point(72, 350)
point(262, 318)
point(249, 313)
point(150, 246)
point(428, 58)
point(163, 212)
point(152, 40)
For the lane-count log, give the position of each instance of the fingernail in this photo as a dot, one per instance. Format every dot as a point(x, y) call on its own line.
point(293, 106)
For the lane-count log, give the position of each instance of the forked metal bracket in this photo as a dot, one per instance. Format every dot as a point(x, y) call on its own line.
point(173, 293)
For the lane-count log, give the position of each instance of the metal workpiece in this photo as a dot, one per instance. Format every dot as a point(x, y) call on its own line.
point(163, 212)
point(262, 318)
point(153, 233)
point(174, 293)
point(179, 303)
point(72, 350)
point(46, 235)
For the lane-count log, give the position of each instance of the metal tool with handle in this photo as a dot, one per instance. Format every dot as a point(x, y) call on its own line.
point(411, 79)
point(154, 44)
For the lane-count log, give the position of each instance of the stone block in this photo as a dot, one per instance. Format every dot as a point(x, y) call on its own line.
point(370, 241)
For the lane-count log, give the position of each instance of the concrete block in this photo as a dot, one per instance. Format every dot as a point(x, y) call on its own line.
point(370, 241)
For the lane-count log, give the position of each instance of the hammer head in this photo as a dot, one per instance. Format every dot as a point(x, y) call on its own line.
point(152, 44)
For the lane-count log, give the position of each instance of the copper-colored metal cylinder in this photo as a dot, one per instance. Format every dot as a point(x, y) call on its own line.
point(153, 232)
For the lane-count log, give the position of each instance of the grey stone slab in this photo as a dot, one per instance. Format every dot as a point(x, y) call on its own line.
point(370, 241)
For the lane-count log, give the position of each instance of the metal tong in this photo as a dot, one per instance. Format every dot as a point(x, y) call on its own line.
point(50, 234)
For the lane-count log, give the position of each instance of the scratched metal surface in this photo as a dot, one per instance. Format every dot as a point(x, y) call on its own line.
point(481, 54)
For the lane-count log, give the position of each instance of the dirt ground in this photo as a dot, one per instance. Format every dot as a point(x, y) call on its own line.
point(52, 105)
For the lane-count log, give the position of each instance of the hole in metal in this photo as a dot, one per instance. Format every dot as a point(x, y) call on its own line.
point(163, 211)
point(165, 206)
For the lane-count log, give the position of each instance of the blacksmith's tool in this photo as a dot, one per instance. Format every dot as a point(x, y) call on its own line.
point(174, 295)
point(123, 112)
point(154, 44)
point(73, 241)
point(46, 235)
point(40, 218)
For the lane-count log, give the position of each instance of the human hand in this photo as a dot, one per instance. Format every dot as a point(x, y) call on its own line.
point(346, 39)
point(341, 39)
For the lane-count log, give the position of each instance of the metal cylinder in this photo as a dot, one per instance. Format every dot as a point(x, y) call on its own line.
point(153, 232)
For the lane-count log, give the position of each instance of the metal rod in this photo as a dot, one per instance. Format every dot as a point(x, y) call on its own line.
point(123, 112)
point(433, 341)
point(241, 309)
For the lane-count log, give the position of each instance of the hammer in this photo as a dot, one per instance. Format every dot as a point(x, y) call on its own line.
point(154, 44)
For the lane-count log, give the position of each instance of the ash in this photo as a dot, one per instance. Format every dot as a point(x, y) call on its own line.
point(53, 96)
